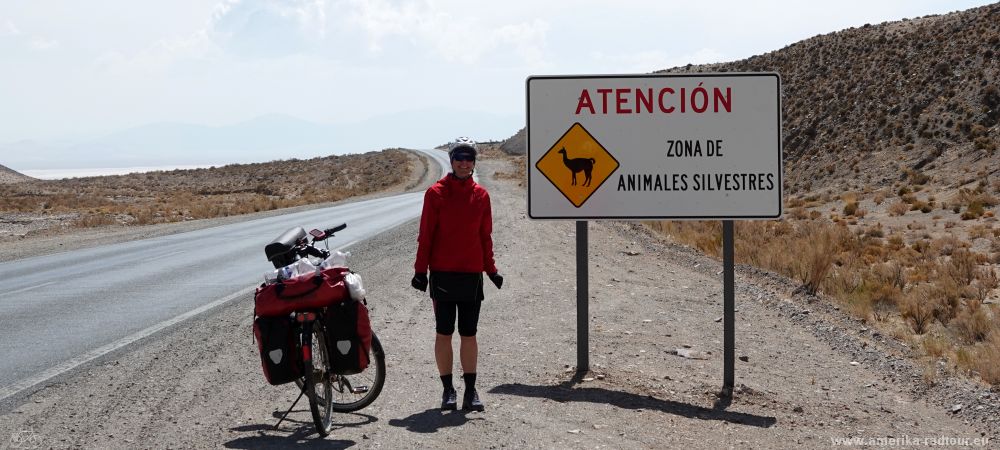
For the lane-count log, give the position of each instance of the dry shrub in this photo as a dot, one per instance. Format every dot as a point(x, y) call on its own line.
point(946, 296)
point(917, 310)
point(706, 236)
point(89, 220)
point(986, 358)
point(879, 197)
point(963, 266)
point(935, 346)
point(815, 252)
point(972, 323)
point(899, 208)
point(851, 208)
point(884, 300)
point(798, 213)
point(986, 282)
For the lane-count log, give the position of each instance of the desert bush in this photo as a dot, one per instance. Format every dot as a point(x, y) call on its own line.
point(851, 208)
point(963, 266)
point(884, 299)
point(986, 282)
point(986, 359)
point(816, 255)
point(935, 346)
point(916, 310)
point(899, 208)
point(972, 323)
point(945, 296)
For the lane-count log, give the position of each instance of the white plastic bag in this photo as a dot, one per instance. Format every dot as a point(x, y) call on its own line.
point(337, 259)
point(355, 286)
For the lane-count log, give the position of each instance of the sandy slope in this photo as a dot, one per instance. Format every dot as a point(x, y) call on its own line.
point(199, 385)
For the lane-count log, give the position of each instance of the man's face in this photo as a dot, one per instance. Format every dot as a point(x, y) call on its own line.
point(463, 165)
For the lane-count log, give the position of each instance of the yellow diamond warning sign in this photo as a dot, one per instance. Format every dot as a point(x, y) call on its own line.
point(577, 165)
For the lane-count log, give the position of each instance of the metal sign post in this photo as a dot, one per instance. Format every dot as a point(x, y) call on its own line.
point(693, 146)
point(582, 299)
point(729, 309)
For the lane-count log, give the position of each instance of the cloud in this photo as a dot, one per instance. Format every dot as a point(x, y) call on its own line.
point(653, 60)
point(43, 44)
point(268, 28)
point(461, 38)
point(9, 29)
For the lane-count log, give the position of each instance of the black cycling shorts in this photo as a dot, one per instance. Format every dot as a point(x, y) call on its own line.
point(467, 313)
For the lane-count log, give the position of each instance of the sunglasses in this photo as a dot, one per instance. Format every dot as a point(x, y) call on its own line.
point(464, 157)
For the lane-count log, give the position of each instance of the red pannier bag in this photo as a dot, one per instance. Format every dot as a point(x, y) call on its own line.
point(310, 291)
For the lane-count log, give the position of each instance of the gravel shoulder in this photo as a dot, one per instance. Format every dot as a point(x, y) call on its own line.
point(806, 373)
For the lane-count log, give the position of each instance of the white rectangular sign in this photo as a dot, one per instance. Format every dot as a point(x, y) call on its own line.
point(671, 146)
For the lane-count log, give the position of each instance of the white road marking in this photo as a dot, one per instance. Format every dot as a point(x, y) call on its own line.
point(30, 288)
point(162, 256)
point(60, 369)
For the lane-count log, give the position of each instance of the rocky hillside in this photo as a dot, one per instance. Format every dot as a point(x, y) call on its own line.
point(8, 175)
point(865, 107)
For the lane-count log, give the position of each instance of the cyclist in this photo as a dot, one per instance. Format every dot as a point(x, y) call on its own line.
point(456, 245)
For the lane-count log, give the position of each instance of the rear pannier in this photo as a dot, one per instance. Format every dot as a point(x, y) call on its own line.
point(276, 344)
point(348, 336)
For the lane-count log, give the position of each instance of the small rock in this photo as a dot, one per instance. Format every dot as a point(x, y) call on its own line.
point(718, 319)
point(598, 427)
point(744, 358)
point(797, 409)
point(956, 409)
point(647, 320)
point(855, 363)
point(600, 377)
point(588, 379)
point(574, 431)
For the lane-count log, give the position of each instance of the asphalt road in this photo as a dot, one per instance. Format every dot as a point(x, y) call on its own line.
point(60, 311)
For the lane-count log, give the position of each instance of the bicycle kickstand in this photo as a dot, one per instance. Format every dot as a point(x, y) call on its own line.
point(290, 408)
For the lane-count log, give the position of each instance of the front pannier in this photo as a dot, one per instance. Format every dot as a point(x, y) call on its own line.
point(348, 336)
point(276, 344)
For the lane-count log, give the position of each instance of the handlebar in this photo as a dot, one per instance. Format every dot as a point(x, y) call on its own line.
point(295, 242)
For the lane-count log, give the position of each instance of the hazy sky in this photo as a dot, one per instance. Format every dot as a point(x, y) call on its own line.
point(82, 68)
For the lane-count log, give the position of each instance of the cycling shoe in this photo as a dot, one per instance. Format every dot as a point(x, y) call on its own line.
point(471, 402)
point(449, 400)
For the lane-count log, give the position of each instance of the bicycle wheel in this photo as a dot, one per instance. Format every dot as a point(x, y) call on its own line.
point(353, 392)
point(319, 386)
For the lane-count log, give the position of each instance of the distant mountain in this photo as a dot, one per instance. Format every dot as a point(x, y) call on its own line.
point(265, 138)
point(12, 176)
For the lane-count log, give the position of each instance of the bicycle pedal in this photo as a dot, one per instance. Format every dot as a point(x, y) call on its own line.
point(359, 390)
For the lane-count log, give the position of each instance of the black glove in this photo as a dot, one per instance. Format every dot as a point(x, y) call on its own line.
point(419, 282)
point(496, 278)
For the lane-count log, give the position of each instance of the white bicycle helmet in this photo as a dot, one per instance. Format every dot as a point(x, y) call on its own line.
point(462, 145)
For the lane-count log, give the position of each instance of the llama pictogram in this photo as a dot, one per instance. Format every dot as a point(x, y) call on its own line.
point(585, 165)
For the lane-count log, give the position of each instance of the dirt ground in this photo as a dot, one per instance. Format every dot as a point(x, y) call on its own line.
point(806, 375)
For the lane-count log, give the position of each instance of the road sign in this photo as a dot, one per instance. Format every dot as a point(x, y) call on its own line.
point(678, 146)
point(590, 160)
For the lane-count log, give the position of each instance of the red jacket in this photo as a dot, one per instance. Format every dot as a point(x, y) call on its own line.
point(456, 228)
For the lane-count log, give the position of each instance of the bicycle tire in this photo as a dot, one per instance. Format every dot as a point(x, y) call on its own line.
point(317, 375)
point(345, 399)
